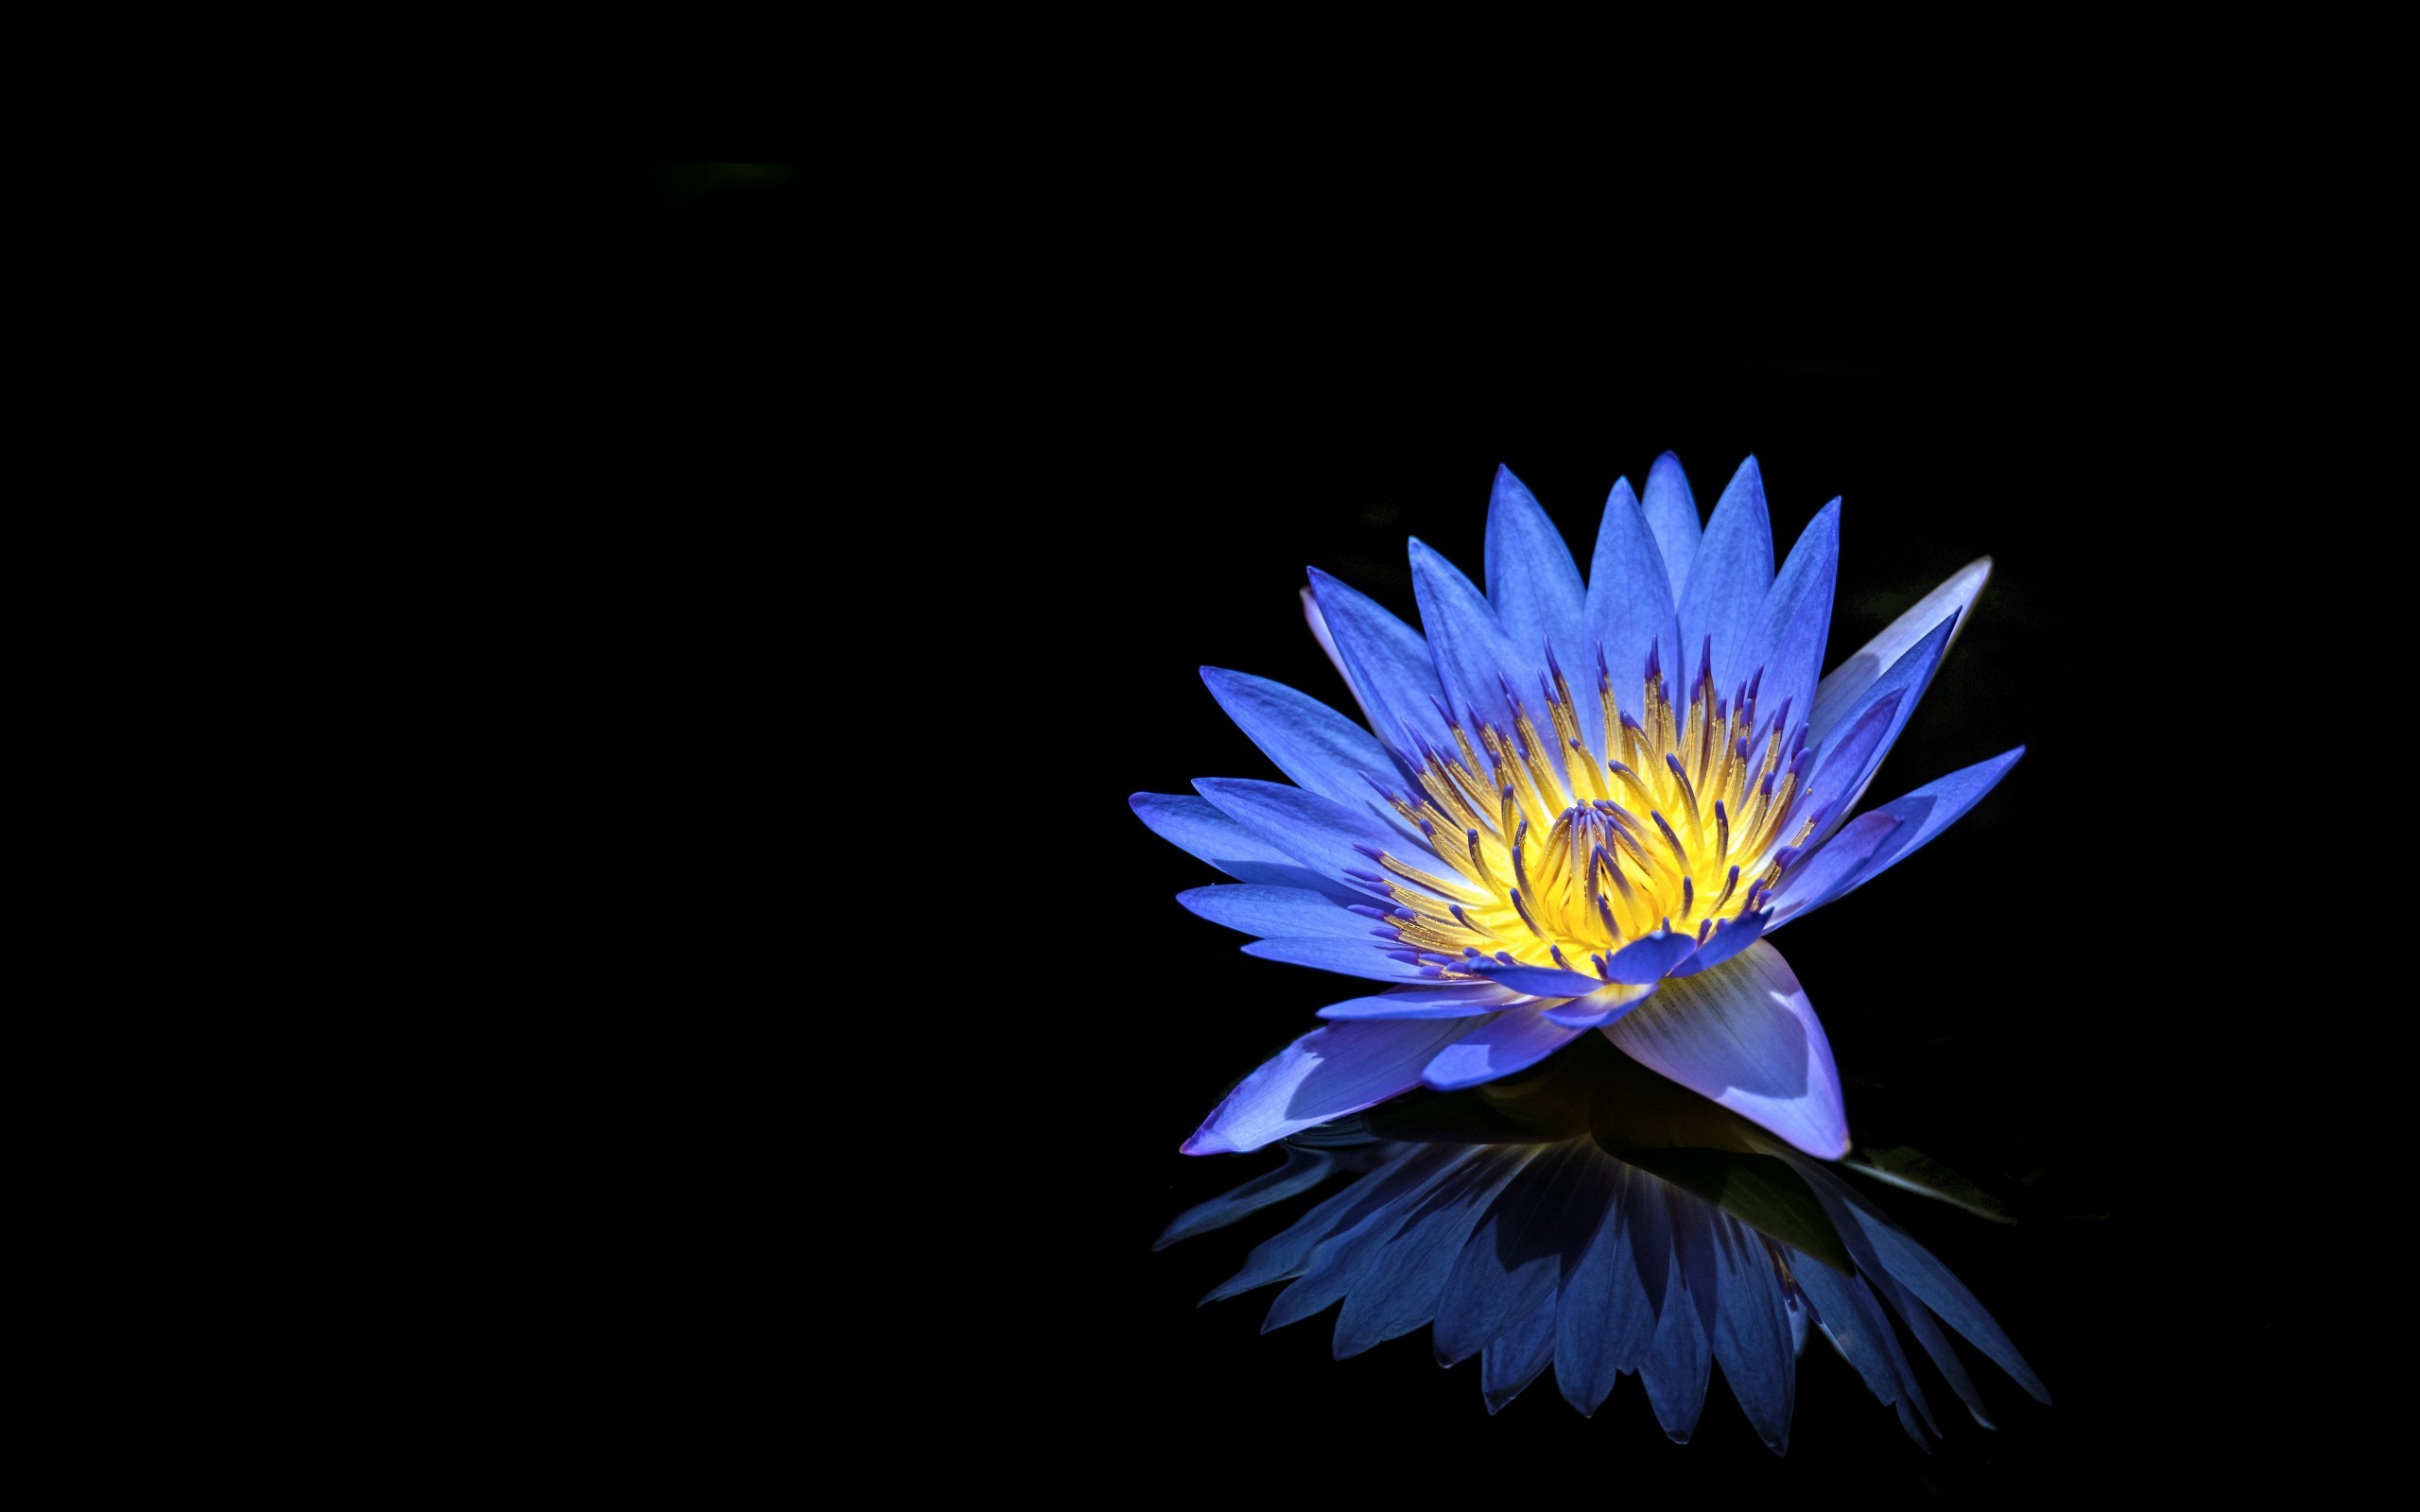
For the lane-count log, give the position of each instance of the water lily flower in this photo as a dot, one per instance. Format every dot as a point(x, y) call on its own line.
point(1594, 1217)
point(1572, 806)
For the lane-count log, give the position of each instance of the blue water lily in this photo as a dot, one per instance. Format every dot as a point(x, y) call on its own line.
point(1572, 806)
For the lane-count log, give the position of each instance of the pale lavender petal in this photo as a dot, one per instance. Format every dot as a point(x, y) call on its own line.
point(1672, 514)
point(1846, 683)
point(1195, 826)
point(1510, 1042)
point(1728, 583)
point(1744, 1035)
point(1327, 1074)
point(1287, 912)
point(1531, 580)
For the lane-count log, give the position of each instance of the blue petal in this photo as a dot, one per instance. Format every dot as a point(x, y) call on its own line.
point(1672, 512)
point(1539, 981)
point(1905, 679)
point(1629, 606)
point(1384, 661)
point(1366, 959)
point(1194, 825)
point(1510, 1042)
point(1322, 834)
point(1607, 1318)
point(1752, 1333)
point(1796, 620)
point(1327, 1074)
point(1321, 749)
point(1730, 936)
point(1302, 1170)
point(1647, 958)
point(1743, 1035)
point(1399, 1293)
point(1511, 1260)
point(1357, 1247)
point(1857, 1327)
point(1601, 1006)
point(1727, 584)
point(1460, 1000)
point(1531, 580)
point(1516, 1356)
point(1287, 912)
point(1846, 683)
point(1287, 1254)
point(1916, 1267)
point(1679, 1358)
point(1822, 877)
point(1472, 653)
point(1926, 811)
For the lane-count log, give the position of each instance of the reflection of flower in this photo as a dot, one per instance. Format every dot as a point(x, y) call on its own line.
point(1594, 1217)
point(1574, 807)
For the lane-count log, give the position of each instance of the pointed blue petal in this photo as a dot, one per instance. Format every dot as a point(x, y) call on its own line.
point(1796, 620)
point(1606, 1318)
point(1400, 1291)
point(1288, 1253)
point(1860, 1332)
point(1672, 512)
point(1916, 1267)
point(1257, 909)
point(1510, 1042)
point(1461, 1000)
point(1322, 751)
point(1647, 958)
point(1327, 1074)
point(1601, 1006)
point(1319, 832)
point(1744, 1035)
point(1538, 980)
point(1752, 1333)
point(1846, 683)
point(1366, 959)
point(1679, 1358)
point(1301, 1171)
point(1824, 876)
point(1730, 936)
point(1384, 661)
point(1844, 782)
point(1531, 580)
point(1727, 584)
point(1195, 826)
point(1629, 608)
point(1926, 811)
point(1511, 1260)
point(1515, 1357)
point(1473, 654)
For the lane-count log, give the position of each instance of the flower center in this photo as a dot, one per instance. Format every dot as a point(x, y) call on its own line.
point(1562, 852)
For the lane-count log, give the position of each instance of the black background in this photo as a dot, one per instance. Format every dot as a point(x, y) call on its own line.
point(862, 560)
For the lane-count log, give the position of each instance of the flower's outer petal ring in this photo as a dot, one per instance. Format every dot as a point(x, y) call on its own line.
point(1320, 750)
point(1510, 1042)
point(1195, 826)
point(1822, 877)
point(1926, 813)
point(1340, 1069)
point(1629, 606)
point(1531, 580)
point(1672, 513)
point(1337, 842)
point(1460, 1000)
point(1727, 584)
point(1744, 1035)
point(1795, 621)
point(1366, 959)
point(1846, 683)
point(1384, 661)
point(1290, 913)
